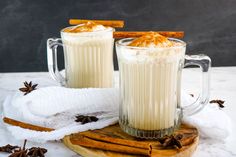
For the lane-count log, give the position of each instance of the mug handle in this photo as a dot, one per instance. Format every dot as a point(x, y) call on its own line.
point(204, 62)
point(52, 44)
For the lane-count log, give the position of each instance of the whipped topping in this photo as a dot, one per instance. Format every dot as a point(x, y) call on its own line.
point(152, 39)
point(86, 27)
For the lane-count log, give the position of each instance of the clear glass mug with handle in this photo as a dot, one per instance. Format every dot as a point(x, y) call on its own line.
point(150, 88)
point(88, 58)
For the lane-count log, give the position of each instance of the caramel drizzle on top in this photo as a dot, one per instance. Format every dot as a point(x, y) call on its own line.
point(151, 39)
point(86, 27)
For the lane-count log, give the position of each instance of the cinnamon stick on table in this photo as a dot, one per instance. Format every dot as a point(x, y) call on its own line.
point(133, 34)
point(87, 142)
point(111, 23)
point(26, 125)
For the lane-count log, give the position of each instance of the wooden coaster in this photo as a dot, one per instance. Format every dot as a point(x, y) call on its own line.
point(189, 142)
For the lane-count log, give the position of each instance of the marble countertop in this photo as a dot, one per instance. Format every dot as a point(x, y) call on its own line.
point(223, 86)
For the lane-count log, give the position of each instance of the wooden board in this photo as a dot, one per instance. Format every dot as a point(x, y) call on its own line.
point(189, 142)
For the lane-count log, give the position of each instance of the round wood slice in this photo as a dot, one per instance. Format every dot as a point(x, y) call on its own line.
point(189, 142)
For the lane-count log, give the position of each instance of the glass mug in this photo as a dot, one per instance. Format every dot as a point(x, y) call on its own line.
point(150, 88)
point(88, 58)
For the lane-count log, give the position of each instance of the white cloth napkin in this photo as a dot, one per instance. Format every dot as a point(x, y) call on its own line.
point(212, 122)
point(56, 107)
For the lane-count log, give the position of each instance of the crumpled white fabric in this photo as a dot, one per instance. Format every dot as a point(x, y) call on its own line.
point(212, 122)
point(56, 107)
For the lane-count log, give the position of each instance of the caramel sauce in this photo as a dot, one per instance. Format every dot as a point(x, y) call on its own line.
point(86, 27)
point(152, 39)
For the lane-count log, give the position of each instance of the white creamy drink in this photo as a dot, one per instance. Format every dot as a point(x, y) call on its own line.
point(149, 71)
point(88, 55)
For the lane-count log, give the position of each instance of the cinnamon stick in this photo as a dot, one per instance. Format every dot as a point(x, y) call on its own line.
point(26, 125)
point(130, 143)
point(87, 142)
point(132, 34)
point(111, 23)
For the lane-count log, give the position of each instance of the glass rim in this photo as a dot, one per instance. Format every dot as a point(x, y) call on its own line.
point(109, 29)
point(121, 43)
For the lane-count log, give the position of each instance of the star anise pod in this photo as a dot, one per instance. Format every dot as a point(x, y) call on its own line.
point(20, 152)
point(219, 102)
point(171, 141)
point(36, 152)
point(192, 95)
point(8, 148)
point(28, 87)
point(85, 119)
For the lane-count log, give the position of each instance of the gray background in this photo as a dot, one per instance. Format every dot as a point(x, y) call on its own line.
point(25, 25)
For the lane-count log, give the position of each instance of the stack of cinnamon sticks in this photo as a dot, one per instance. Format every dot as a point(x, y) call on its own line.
point(93, 139)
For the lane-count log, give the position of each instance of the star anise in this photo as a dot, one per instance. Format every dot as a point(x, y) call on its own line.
point(171, 141)
point(28, 87)
point(192, 95)
point(8, 148)
point(20, 152)
point(85, 119)
point(219, 102)
point(36, 152)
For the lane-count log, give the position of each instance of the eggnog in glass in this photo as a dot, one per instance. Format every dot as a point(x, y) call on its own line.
point(150, 80)
point(88, 54)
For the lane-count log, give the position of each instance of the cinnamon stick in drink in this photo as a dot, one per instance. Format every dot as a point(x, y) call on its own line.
point(111, 23)
point(135, 34)
point(87, 142)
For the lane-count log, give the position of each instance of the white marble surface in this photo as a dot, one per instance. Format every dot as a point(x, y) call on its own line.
point(223, 86)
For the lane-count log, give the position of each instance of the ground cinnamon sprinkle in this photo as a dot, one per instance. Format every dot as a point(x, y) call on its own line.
point(86, 27)
point(151, 39)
